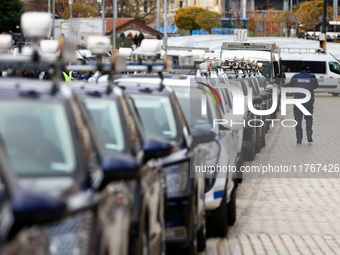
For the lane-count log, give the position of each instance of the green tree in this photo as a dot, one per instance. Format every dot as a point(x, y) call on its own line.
point(310, 12)
point(10, 13)
point(79, 11)
point(185, 18)
point(208, 20)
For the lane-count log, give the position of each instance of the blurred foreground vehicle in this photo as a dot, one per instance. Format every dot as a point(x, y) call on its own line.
point(121, 134)
point(53, 150)
point(21, 214)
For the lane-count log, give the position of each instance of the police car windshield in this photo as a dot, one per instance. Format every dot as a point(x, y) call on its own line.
point(191, 104)
point(157, 116)
point(37, 138)
point(266, 68)
point(108, 124)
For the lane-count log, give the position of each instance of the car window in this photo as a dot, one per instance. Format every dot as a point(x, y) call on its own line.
point(191, 104)
point(6, 215)
point(292, 66)
point(261, 82)
point(37, 137)
point(133, 125)
point(276, 67)
point(317, 67)
point(2, 193)
point(222, 91)
point(156, 115)
point(108, 124)
point(255, 85)
point(247, 82)
point(238, 84)
point(334, 67)
point(266, 68)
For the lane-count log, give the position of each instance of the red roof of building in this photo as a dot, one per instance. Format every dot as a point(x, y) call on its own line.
point(128, 23)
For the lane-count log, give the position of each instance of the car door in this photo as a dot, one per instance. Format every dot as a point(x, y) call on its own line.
point(31, 240)
point(152, 181)
point(109, 211)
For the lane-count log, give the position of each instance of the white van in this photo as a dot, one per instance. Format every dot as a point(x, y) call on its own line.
point(266, 53)
point(324, 65)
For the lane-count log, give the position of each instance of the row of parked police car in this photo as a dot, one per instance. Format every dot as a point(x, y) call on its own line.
point(142, 159)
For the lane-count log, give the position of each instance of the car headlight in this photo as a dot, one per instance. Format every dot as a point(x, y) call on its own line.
point(212, 151)
point(177, 179)
point(72, 235)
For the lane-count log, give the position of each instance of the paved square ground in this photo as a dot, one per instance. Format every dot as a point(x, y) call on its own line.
point(299, 215)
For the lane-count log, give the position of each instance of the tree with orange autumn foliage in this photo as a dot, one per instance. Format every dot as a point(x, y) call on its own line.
point(271, 22)
point(253, 22)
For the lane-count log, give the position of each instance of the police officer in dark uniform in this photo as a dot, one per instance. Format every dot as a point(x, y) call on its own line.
point(308, 81)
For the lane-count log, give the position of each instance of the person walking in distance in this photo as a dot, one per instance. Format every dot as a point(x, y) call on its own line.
point(308, 81)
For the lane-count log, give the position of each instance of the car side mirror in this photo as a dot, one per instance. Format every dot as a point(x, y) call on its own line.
point(36, 208)
point(119, 166)
point(156, 148)
point(201, 135)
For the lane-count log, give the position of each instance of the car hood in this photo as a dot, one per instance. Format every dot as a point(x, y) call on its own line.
point(55, 186)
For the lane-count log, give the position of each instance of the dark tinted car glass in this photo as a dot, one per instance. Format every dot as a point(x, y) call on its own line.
point(295, 66)
point(37, 137)
point(266, 68)
point(157, 116)
point(108, 123)
point(191, 103)
point(334, 67)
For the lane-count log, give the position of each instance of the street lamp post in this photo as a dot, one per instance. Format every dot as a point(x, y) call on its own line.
point(70, 2)
point(335, 6)
point(103, 15)
point(114, 15)
point(165, 27)
point(324, 24)
point(158, 15)
point(53, 18)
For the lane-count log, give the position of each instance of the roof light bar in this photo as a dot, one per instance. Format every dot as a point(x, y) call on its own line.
point(36, 25)
point(98, 45)
point(198, 54)
point(49, 47)
point(150, 47)
point(5, 42)
point(126, 52)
